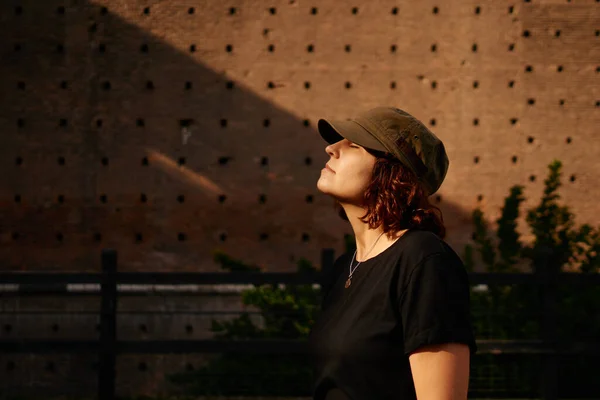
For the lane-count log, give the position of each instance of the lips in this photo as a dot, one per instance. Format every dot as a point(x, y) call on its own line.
point(329, 168)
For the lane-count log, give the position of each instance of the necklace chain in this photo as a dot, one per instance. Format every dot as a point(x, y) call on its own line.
point(349, 281)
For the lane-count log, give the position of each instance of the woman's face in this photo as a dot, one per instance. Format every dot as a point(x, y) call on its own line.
point(352, 167)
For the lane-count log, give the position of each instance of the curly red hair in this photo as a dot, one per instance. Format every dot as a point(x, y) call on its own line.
point(396, 200)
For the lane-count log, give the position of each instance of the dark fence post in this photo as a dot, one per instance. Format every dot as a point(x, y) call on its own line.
point(548, 279)
point(327, 260)
point(108, 326)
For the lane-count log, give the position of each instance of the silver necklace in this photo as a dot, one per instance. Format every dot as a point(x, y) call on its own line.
point(349, 280)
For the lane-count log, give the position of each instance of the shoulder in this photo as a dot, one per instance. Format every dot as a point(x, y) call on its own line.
point(420, 245)
point(425, 248)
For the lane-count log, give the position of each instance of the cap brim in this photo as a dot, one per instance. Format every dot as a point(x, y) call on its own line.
point(332, 131)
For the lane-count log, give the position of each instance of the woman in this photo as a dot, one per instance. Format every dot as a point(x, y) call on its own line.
point(395, 319)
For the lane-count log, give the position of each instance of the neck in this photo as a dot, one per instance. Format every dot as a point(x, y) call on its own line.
point(366, 237)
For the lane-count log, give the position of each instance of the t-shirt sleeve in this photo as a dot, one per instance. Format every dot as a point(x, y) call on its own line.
point(435, 304)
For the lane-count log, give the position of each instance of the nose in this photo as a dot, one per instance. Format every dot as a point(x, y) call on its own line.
point(329, 149)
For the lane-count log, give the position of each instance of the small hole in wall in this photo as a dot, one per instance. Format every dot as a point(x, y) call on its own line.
point(511, 47)
point(476, 159)
point(182, 236)
point(557, 33)
point(308, 161)
point(348, 48)
point(223, 160)
point(572, 178)
point(475, 84)
point(526, 33)
point(438, 198)
point(232, 10)
point(511, 84)
point(263, 236)
point(432, 122)
point(348, 85)
point(310, 48)
point(531, 101)
point(272, 10)
point(309, 198)
point(262, 199)
point(305, 237)
point(532, 178)
point(264, 161)
point(433, 48)
point(514, 159)
point(314, 11)
point(528, 68)
point(568, 140)
point(435, 10)
point(181, 198)
point(222, 198)
point(223, 237)
point(476, 121)
point(479, 197)
point(139, 237)
point(530, 139)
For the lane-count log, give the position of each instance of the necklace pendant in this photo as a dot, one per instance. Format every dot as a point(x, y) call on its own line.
point(348, 282)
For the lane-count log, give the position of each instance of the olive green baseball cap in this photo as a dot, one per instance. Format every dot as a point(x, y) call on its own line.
point(394, 131)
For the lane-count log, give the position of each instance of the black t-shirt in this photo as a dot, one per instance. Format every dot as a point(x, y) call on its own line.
point(415, 292)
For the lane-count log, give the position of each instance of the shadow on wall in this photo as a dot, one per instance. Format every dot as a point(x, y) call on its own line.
point(115, 138)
